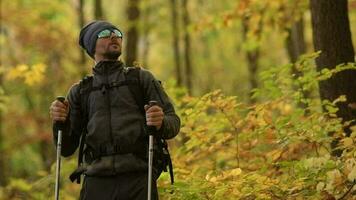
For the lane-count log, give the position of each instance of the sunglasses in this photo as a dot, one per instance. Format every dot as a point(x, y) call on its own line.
point(107, 33)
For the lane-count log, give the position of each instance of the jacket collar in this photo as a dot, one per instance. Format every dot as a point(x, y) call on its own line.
point(105, 67)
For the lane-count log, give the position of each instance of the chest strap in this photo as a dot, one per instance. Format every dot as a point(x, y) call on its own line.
point(103, 87)
point(115, 149)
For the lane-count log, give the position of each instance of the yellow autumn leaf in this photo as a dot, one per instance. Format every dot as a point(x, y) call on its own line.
point(31, 75)
point(352, 175)
point(334, 177)
point(286, 109)
point(35, 75)
point(212, 179)
point(275, 154)
point(17, 72)
point(342, 98)
point(297, 185)
point(182, 171)
point(188, 111)
point(207, 177)
point(260, 121)
point(347, 142)
point(236, 172)
point(320, 186)
point(267, 118)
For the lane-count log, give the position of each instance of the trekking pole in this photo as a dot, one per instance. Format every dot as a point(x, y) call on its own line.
point(151, 131)
point(59, 148)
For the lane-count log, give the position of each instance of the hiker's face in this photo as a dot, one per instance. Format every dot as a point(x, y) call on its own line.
point(109, 47)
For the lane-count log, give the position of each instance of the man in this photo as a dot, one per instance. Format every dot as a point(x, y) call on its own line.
point(115, 153)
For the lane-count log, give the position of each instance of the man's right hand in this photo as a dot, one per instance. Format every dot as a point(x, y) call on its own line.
point(59, 111)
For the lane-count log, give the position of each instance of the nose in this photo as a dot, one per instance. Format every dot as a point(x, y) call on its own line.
point(113, 35)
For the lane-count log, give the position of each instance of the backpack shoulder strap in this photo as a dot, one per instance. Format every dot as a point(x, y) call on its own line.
point(132, 77)
point(85, 87)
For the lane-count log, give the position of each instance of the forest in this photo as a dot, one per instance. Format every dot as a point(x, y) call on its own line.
point(265, 91)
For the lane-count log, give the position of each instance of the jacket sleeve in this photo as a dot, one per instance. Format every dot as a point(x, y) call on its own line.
point(154, 91)
point(72, 127)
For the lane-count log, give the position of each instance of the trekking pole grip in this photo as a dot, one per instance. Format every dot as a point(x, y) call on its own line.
point(61, 98)
point(152, 129)
point(60, 124)
point(152, 103)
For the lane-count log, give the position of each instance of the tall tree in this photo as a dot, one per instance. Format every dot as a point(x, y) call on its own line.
point(176, 47)
point(332, 36)
point(295, 40)
point(3, 179)
point(146, 28)
point(2, 152)
point(296, 46)
point(187, 46)
point(98, 7)
point(81, 22)
point(133, 13)
point(252, 56)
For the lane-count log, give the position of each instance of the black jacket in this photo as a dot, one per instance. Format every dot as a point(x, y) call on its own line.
point(115, 119)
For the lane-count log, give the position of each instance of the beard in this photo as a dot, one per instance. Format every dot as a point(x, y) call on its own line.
point(112, 55)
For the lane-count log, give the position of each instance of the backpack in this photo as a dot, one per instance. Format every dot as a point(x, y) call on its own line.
point(132, 80)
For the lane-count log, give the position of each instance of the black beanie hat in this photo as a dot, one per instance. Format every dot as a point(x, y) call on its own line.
point(89, 34)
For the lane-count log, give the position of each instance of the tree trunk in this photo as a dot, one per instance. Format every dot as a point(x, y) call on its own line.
point(295, 44)
point(81, 22)
point(187, 47)
point(295, 41)
point(133, 13)
point(2, 155)
point(98, 9)
point(3, 179)
point(332, 36)
point(2, 151)
point(176, 48)
point(252, 57)
point(146, 30)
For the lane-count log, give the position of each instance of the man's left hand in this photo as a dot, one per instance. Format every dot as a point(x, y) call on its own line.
point(154, 116)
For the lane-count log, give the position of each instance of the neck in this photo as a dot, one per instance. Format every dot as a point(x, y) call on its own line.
point(104, 59)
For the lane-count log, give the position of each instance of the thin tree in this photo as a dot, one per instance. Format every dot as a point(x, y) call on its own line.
point(3, 179)
point(332, 36)
point(187, 47)
point(252, 56)
point(3, 170)
point(82, 59)
point(295, 40)
point(146, 28)
point(296, 46)
point(175, 40)
point(98, 9)
point(133, 13)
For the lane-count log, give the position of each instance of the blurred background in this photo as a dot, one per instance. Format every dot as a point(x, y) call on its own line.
point(193, 47)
